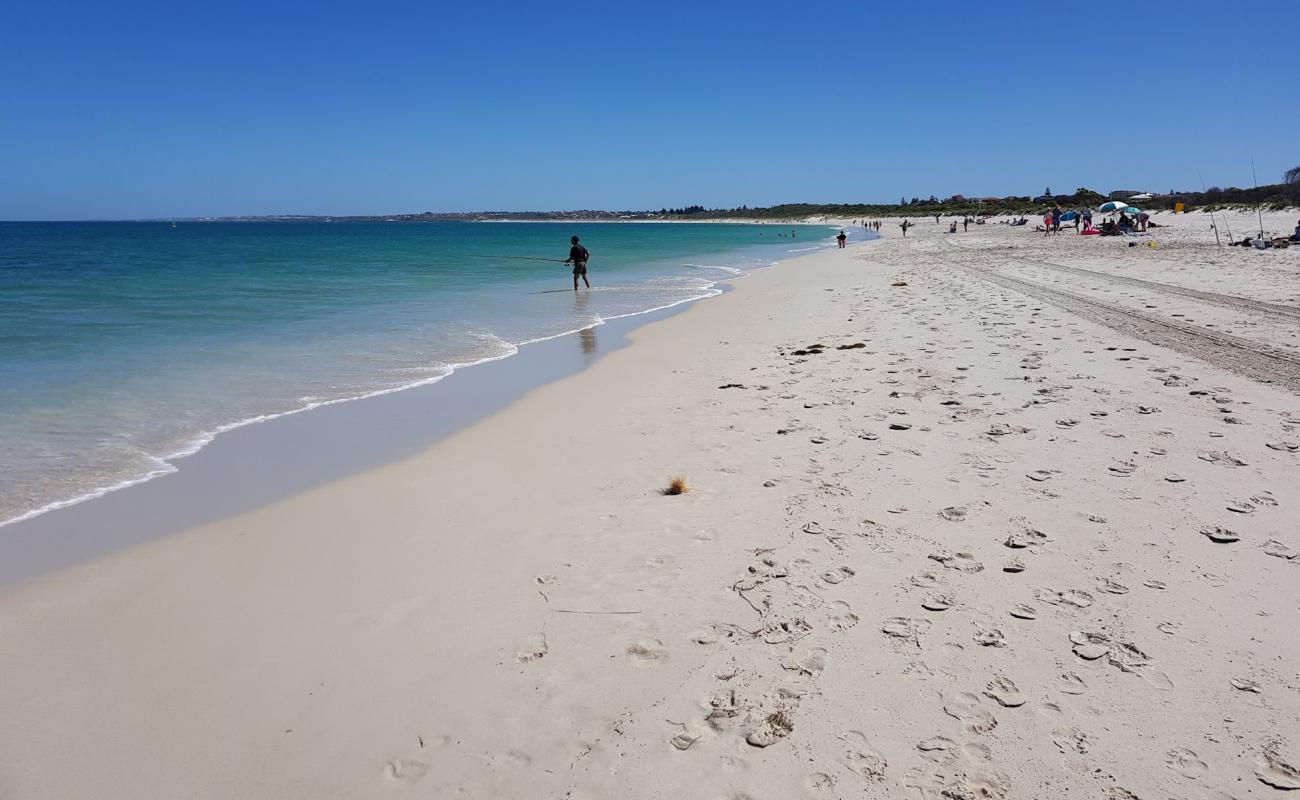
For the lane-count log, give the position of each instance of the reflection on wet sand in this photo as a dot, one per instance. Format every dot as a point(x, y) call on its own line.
point(587, 339)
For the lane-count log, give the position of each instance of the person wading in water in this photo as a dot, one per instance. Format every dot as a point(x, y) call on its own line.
point(578, 256)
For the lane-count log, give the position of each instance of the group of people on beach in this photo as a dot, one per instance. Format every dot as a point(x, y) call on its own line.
point(1126, 223)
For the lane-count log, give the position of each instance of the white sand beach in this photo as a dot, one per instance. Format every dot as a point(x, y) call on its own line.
point(1021, 524)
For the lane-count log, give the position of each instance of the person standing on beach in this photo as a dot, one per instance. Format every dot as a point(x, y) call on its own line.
point(905, 225)
point(965, 224)
point(578, 256)
point(841, 239)
point(1056, 219)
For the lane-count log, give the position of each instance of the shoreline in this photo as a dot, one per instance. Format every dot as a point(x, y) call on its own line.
point(24, 532)
point(959, 524)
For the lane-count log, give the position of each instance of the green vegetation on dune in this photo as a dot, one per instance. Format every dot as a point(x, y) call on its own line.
point(1273, 196)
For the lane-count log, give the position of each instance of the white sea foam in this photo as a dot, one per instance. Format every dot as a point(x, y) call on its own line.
point(728, 270)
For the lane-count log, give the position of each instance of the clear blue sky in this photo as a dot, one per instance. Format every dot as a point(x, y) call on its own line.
point(125, 109)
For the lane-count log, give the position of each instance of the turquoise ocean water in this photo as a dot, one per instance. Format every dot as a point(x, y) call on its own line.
point(125, 346)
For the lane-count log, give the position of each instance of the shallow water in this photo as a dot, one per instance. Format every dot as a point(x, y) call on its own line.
point(125, 346)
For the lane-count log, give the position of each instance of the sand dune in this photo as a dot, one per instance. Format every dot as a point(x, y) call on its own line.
point(982, 515)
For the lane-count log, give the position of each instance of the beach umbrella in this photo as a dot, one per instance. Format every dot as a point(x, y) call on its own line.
point(1130, 210)
point(1113, 205)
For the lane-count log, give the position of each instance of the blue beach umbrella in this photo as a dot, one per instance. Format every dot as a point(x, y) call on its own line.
point(1131, 210)
point(1113, 205)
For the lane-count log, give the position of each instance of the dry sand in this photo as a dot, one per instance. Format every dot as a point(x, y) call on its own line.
point(1023, 527)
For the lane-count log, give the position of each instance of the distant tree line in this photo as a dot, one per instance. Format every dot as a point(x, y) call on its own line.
point(1278, 195)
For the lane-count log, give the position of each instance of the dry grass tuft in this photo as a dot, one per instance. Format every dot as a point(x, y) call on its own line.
point(677, 485)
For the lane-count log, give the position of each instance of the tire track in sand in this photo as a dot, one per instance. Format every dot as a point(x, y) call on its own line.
point(1256, 361)
point(1287, 312)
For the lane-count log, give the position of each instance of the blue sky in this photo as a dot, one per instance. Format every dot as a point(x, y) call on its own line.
point(127, 110)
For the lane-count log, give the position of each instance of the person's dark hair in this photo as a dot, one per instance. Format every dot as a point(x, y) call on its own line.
point(573, 239)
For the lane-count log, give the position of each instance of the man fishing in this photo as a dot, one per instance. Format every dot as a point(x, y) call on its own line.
point(578, 256)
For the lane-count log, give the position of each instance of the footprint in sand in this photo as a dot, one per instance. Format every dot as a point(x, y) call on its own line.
point(1048, 711)
point(773, 724)
point(647, 651)
point(966, 707)
point(1222, 458)
point(838, 575)
point(405, 771)
point(1070, 597)
point(819, 783)
point(1013, 565)
point(862, 758)
point(810, 665)
point(1123, 469)
point(1024, 611)
point(1070, 683)
point(840, 616)
point(962, 562)
point(1185, 763)
point(936, 744)
point(1071, 740)
point(989, 637)
point(905, 628)
point(937, 602)
point(1276, 772)
point(1089, 646)
point(954, 513)
point(1220, 535)
point(1157, 679)
point(1274, 548)
point(925, 580)
point(1113, 587)
point(1005, 692)
point(534, 649)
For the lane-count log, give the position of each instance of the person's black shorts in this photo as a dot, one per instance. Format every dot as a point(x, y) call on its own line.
point(580, 268)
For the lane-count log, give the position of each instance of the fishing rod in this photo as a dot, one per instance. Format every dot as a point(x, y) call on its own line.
point(521, 258)
point(1213, 222)
point(1259, 207)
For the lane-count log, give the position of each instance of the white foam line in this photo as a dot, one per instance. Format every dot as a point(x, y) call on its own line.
point(729, 270)
point(206, 438)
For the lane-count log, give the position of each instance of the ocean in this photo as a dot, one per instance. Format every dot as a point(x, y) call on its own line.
point(125, 346)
